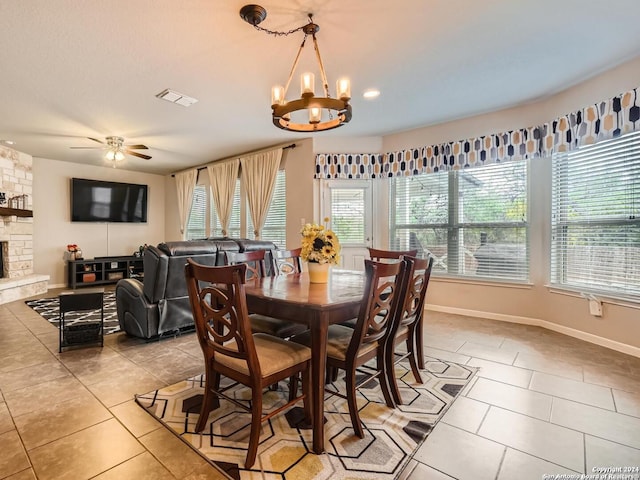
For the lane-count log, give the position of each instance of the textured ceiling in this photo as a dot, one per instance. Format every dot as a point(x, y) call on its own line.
point(71, 69)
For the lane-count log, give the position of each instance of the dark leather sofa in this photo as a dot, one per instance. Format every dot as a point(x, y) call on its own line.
point(160, 305)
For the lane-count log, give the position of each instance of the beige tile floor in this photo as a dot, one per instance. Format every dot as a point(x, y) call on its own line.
point(542, 403)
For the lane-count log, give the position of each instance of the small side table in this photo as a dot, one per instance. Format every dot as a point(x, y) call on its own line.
point(83, 332)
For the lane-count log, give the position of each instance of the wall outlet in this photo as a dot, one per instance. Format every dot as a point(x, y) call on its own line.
point(595, 307)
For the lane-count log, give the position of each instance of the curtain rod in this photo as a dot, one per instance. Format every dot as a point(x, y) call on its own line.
point(203, 167)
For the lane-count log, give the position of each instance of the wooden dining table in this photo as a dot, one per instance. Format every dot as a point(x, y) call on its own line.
point(294, 298)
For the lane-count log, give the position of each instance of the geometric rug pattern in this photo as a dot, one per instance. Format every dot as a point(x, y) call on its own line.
point(391, 435)
point(49, 308)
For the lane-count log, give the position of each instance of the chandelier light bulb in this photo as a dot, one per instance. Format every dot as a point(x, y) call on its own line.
point(315, 115)
point(277, 95)
point(343, 89)
point(307, 81)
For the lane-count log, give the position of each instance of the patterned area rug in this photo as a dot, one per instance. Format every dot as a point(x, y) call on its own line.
point(49, 309)
point(391, 435)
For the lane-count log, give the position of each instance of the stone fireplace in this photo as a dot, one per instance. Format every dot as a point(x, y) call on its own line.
point(16, 230)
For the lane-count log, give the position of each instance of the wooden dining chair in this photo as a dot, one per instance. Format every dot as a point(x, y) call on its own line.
point(408, 323)
point(380, 255)
point(255, 261)
point(349, 349)
point(256, 268)
point(256, 360)
point(286, 262)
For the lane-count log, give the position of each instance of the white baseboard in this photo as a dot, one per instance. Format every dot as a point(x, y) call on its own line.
point(572, 332)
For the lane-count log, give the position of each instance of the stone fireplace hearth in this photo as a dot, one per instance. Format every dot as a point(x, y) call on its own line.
point(16, 231)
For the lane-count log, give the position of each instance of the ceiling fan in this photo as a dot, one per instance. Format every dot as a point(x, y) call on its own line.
point(116, 148)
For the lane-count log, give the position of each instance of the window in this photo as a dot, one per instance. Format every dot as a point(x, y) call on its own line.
point(275, 225)
point(275, 228)
point(348, 215)
point(474, 222)
point(196, 225)
point(595, 243)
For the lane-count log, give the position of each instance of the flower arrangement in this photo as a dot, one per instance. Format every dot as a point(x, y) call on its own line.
point(73, 252)
point(319, 244)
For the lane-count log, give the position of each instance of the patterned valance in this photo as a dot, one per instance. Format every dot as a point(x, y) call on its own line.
point(594, 123)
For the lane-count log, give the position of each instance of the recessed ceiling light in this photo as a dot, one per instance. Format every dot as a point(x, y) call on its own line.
point(371, 93)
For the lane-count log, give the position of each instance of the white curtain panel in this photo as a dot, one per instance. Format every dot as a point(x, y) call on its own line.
point(259, 172)
point(185, 184)
point(222, 179)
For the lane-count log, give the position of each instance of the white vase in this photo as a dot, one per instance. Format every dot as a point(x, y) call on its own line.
point(318, 272)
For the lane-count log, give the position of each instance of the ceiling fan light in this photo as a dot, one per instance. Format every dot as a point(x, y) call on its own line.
point(119, 156)
point(110, 155)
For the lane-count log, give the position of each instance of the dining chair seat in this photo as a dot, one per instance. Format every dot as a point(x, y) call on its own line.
point(275, 326)
point(274, 355)
point(338, 338)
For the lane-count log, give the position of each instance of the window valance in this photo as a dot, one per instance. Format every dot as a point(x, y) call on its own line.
point(600, 121)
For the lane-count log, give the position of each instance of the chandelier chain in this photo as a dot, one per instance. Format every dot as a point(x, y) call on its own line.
point(278, 33)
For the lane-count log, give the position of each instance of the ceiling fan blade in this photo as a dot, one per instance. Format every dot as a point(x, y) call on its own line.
point(136, 154)
point(96, 140)
point(137, 147)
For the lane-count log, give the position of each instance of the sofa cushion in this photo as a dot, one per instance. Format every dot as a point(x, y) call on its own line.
point(224, 244)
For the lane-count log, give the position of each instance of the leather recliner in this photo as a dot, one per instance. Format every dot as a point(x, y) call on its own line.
point(160, 305)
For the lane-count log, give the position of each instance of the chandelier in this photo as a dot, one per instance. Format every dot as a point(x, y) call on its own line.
point(325, 112)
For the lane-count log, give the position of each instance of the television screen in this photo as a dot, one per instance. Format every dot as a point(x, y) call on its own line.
point(100, 201)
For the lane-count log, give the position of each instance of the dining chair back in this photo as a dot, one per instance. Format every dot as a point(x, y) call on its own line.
point(349, 349)
point(286, 262)
point(408, 325)
point(256, 268)
point(380, 255)
point(218, 302)
point(254, 260)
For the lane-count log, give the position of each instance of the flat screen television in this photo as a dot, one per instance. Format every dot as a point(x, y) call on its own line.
point(101, 201)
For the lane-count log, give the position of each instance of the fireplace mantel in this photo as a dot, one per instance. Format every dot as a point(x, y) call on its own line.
point(15, 212)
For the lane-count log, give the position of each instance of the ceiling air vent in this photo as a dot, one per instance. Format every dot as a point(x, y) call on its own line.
point(175, 97)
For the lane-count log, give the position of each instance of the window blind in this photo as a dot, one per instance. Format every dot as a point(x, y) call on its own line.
point(275, 225)
point(348, 215)
point(235, 220)
point(473, 222)
point(595, 244)
point(196, 225)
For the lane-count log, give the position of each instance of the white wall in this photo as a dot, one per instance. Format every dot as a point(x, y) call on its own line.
point(53, 228)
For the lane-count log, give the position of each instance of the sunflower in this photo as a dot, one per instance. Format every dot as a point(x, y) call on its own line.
point(319, 244)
